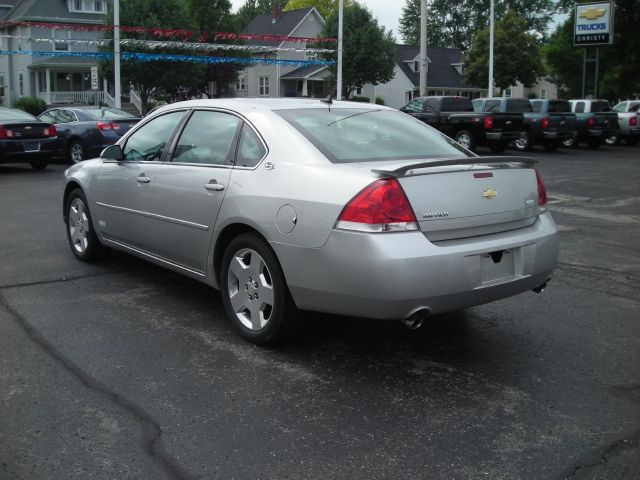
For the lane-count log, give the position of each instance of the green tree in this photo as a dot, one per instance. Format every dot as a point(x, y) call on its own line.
point(453, 23)
point(517, 56)
point(174, 79)
point(251, 9)
point(325, 7)
point(369, 50)
point(619, 73)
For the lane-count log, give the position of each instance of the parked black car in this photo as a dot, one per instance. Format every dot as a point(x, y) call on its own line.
point(454, 116)
point(84, 131)
point(24, 138)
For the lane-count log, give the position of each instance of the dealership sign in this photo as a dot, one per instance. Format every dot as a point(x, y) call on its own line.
point(594, 24)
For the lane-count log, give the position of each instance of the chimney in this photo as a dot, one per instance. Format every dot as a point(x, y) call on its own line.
point(276, 12)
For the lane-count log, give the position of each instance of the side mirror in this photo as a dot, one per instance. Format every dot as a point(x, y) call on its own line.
point(112, 152)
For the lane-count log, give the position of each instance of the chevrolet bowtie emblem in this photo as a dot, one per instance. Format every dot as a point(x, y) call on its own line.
point(27, 127)
point(489, 193)
point(592, 13)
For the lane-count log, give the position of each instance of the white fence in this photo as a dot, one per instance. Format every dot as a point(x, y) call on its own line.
point(90, 97)
point(135, 99)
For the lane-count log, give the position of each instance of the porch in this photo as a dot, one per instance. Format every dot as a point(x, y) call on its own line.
point(64, 82)
point(312, 81)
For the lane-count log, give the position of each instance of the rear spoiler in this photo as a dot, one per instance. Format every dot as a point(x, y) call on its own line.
point(508, 161)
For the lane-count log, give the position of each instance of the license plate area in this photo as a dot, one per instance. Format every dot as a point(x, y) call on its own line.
point(496, 267)
point(31, 146)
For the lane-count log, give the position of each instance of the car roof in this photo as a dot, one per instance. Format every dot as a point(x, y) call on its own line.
point(248, 105)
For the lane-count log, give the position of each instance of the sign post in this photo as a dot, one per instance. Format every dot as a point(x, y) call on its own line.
point(94, 81)
point(593, 27)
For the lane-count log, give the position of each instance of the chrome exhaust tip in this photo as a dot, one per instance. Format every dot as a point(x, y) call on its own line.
point(416, 319)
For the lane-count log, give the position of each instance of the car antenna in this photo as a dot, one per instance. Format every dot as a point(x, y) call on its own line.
point(328, 101)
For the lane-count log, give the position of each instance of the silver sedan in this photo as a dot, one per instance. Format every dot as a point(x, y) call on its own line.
point(337, 207)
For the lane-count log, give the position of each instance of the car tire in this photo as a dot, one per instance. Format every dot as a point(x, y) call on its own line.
point(524, 142)
point(255, 293)
point(77, 151)
point(594, 143)
point(39, 164)
point(551, 145)
point(497, 147)
point(612, 140)
point(569, 143)
point(465, 139)
point(82, 238)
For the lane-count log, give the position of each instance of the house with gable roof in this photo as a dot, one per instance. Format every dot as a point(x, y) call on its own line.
point(269, 80)
point(54, 79)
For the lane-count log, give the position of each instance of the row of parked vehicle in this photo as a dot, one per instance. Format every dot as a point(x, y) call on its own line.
point(75, 133)
point(502, 122)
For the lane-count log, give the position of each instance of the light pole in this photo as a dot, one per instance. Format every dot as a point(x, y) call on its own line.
point(490, 93)
point(423, 48)
point(340, 22)
point(116, 53)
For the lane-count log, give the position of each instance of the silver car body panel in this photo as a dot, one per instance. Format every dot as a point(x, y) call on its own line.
point(293, 198)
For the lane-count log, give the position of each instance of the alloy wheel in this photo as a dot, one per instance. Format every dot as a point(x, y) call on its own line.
point(464, 140)
point(77, 153)
point(78, 226)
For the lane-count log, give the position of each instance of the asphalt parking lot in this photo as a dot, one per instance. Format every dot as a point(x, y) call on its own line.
point(125, 370)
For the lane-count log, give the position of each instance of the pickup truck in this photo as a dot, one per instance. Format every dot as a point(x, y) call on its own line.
point(595, 122)
point(546, 122)
point(454, 116)
point(629, 120)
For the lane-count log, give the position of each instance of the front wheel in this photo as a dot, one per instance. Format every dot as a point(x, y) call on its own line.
point(569, 143)
point(254, 291)
point(83, 240)
point(612, 140)
point(77, 151)
point(465, 139)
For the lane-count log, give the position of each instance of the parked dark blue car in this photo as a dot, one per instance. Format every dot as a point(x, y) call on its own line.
point(83, 132)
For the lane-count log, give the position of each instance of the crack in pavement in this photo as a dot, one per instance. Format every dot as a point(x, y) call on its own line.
point(601, 455)
point(63, 279)
point(151, 431)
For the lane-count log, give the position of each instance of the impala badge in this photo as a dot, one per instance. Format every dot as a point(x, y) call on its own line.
point(438, 214)
point(489, 193)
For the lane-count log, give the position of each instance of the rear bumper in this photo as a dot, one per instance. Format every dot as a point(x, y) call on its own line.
point(391, 276)
point(502, 136)
point(632, 133)
point(558, 135)
point(13, 151)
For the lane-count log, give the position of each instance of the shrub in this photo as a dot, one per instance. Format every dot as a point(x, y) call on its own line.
point(379, 101)
point(360, 99)
point(33, 105)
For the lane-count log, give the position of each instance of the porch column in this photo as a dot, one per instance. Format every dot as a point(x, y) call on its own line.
point(37, 72)
point(48, 82)
point(305, 92)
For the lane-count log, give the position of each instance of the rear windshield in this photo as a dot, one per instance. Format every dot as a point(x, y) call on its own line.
point(518, 106)
point(108, 113)
point(11, 114)
point(559, 106)
point(456, 105)
point(600, 107)
point(358, 135)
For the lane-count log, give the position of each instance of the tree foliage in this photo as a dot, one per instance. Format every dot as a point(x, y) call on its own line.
point(453, 23)
point(325, 7)
point(619, 72)
point(517, 56)
point(369, 50)
point(252, 8)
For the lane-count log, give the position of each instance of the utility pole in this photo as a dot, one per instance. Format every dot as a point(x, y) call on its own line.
point(490, 95)
point(423, 48)
point(340, 25)
point(116, 53)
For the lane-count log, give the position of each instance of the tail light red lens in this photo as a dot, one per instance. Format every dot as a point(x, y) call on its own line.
point(50, 131)
point(487, 122)
point(380, 207)
point(105, 126)
point(4, 133)
point(542, 192)
point(591, 122)
point(633, 121)
point(544, 123)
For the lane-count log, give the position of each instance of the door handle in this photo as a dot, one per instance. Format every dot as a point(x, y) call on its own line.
point(143, 179)
point(214, 187)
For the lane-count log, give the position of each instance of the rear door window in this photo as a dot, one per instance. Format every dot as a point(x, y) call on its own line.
point(50, 117)
point(250, 148)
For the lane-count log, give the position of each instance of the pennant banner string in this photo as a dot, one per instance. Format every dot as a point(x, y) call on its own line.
point(155, 57)
point(167, 32)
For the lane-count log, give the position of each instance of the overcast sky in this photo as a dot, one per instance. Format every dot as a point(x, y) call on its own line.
point(387, 12)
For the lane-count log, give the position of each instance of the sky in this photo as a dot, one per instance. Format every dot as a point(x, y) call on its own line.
point(388, 12)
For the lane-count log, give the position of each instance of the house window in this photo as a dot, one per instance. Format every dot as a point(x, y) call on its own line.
point(21, 84)
point(416, 66)
point(60, 46)
point(264, 87)
point(2, 86)
point(359, 92)
point(543, 93)
point(88, 6)
point(240, 83)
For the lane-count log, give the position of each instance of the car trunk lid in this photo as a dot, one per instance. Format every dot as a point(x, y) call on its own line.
point(23, 130)
point(124, 125)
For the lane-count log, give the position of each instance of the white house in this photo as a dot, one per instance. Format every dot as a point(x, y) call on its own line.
point(55, 79)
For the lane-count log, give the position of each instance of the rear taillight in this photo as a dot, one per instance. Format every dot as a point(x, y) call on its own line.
point(487, 122)
point(542, 192)
point(591, 122)
point(380, 207)
point(4, 133)
point(105, 126)
point(633, 121)
point(544, 123)
point(50, 131)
